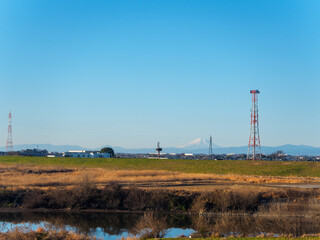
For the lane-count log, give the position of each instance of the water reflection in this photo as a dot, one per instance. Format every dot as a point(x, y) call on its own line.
point(116, 225)
point(100, 224)
point(226, 224)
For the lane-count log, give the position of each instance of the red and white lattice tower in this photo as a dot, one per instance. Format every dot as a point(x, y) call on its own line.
point(9, 145)
point(254, 148)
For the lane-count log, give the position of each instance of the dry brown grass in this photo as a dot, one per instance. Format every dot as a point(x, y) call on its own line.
point(22, 176)
point(151, 226)
point(41, 234)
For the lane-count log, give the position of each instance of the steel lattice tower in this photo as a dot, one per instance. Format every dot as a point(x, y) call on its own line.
point(210, 148)
point(9, 145)
point(254, 148)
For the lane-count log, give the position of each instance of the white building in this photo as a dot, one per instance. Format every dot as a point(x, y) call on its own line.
point(189, 154)
point(86, 154)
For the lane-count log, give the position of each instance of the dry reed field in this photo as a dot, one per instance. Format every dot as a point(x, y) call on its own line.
point(42, 234)
point(44, 177)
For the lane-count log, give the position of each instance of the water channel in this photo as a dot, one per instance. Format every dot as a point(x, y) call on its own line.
point(106, 225)
point(101, 225)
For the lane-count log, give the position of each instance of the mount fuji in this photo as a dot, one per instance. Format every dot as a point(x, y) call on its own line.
point(199, 143)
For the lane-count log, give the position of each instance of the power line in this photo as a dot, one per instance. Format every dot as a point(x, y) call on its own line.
point(64, 128)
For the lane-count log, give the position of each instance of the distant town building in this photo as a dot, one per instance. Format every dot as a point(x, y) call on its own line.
point(189, 154)
point(157, 156)
point(55, 154)
point(33, 152)
point(86, 154)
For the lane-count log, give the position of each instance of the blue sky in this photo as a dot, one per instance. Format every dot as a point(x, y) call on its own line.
point(131, 73)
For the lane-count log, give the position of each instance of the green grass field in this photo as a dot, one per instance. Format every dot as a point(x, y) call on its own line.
point(247, 238)
point(260, 168)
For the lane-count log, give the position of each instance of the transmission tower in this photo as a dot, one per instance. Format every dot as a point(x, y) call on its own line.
point(210, 148)
point(9, 145)
point(254, 148)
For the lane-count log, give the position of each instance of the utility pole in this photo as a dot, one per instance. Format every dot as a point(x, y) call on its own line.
point(210, 148)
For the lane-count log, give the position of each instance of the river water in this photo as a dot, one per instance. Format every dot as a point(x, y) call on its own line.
point(98, 224)
point(107, 225)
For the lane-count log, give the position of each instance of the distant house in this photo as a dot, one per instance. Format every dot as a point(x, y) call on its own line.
point(86, 154)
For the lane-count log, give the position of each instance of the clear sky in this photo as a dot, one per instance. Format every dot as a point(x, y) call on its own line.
point(131, 73)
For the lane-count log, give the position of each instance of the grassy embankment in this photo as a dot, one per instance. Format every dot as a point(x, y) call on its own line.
point(188, 175)
point(259, 168)
point(248, 238)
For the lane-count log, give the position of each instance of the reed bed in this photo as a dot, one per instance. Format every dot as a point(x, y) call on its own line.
point(35, 176)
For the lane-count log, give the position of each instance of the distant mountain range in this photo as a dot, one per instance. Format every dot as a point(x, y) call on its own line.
point(199, 143)
point(197, 146)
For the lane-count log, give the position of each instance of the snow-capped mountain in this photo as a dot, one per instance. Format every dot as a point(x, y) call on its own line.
point(199, 143)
